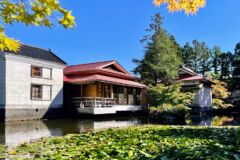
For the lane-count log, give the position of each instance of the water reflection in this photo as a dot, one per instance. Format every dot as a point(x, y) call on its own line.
point(14, 133)
point(18, 132)
point(215, 120)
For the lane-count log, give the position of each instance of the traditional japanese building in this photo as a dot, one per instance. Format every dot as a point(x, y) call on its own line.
point(200, 86)
point(102, 88)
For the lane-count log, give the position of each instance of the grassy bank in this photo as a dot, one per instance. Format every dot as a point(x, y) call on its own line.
point(149, 142)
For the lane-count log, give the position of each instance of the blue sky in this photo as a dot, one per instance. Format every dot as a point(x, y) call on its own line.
point(108, 29)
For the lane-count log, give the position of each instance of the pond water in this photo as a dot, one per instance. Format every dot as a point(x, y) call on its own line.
point(14, 133)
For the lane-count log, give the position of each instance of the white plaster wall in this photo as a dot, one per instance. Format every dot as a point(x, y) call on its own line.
point(46, 73)
point(205, 96)
point(19, 80)
point(2, 81)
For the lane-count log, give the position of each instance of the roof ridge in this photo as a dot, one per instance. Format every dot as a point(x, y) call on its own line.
point(45, 49)
point(92, 63)
point(38, 53)
point(189, 70)
point(106, 69)
point(57, 57)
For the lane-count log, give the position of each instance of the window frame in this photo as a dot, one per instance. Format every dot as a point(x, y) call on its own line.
point(36, 98)
point(32, 75)
point(41, 68)
point(40, 99)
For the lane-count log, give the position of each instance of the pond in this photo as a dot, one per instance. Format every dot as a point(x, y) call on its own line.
point(14, 133)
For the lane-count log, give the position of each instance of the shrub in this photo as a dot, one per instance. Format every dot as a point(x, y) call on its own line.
point(172, 95)
point(220, 95)
point(219, 104)
point(219, 90)
point(168, 102)
point(169, 113)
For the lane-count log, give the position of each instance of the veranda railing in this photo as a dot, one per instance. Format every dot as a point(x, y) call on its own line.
point(98, 102)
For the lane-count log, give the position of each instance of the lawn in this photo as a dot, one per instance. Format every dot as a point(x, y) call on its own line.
point(144, 142)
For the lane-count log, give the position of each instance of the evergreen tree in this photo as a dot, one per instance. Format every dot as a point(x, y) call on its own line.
point(188, 56)
point(216, 53)
point(162, 56)
point(226, 60)
point(202, 57)
point(178, 47)
point(197, 56)
point(236, 65)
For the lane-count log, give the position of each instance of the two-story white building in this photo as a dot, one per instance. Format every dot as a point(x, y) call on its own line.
point(31, 83)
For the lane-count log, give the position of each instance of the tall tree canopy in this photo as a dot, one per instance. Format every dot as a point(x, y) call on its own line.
point(236, 65)
point(226, 61)
point(188, 56)
point(162, 55)
point(202, 53)
point(197, 56)
point(215, 55)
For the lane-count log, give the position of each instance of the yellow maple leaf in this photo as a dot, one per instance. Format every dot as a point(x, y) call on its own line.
point(188, 6)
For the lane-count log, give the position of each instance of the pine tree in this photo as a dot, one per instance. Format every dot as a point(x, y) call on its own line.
point(202, 60)
point(215, 54)
point(226, 60)
point(188, 56)
point(236, 65)
point(197, 56)
point(161, 56)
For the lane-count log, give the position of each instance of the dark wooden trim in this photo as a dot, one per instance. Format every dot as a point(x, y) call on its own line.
point(32, 94)
point(50, 78)
point(36, 99)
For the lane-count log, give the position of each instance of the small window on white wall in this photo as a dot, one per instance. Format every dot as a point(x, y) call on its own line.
point(41, 92)
point(41, 72)
point(47, 92)
point(46, 73)
point(36, 71)
point(36, 92)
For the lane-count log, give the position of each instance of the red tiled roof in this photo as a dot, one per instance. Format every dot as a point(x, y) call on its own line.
point(102, 78)
point(189, 75)
point(99, 68)
point(93, 66)
point(88, 66)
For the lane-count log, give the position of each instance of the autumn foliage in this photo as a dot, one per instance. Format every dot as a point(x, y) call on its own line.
point(189, 6)
point(32, 12)
point(220, 94)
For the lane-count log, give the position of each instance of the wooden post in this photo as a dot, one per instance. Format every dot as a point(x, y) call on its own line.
point(95, 102)
point(81, 91)
point(111, 90)
point(105, 101)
